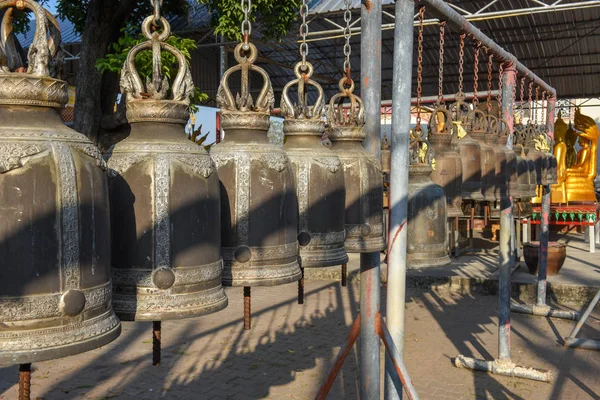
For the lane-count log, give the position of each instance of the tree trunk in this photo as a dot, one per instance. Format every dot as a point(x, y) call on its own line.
point(104, 21)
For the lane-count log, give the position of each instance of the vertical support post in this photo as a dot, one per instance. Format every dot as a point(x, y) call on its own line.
point(247, 308)
point(223, 66)
point(301, 288)
point(370, 68)
point(509, 81)
point(401, 100)
point(544, 239)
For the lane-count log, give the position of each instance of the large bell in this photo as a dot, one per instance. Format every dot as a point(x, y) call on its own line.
point(55, 291)
point(164, 202)
point(533, 148)
point(511, 164)
point(426, 219)
point(319, 177)
point(362, 174)
point(448, 166)
point(469, 151)
point(478, 121)
point(258, 198)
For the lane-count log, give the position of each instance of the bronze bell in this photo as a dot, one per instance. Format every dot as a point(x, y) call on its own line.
point(510, 171)
point(258, 198)
point(319, 176)
point(552, 163)
point(55, 291)
point(386, 155)
point(427, 228)
point(528, 184)
point(478, 122)
point(534, 152)
point(362, 174)
point(448, 166)
point(164, 200)
point(468, 149)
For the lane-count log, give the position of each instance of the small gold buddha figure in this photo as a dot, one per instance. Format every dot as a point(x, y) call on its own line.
point(579, 182)
point(557, 192)
point(570, 140)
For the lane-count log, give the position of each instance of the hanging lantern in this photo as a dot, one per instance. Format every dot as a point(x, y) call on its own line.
point(319, 176)
point(427, 227)
point(469, 150)
point(362, 173)
point(165, 201)
point(448, 166)
point(258, 198)
point(55, 291)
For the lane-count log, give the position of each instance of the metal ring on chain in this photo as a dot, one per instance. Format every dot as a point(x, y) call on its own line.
point(248, 48)
point(346, 82)
point(306, 70)
point(149, 21)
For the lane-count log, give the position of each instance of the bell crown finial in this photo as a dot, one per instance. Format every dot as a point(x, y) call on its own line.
point(420, 151)
point(157, 100)
point(346, 123)
point(302, 110)
point(243, 101)
point(35, 81)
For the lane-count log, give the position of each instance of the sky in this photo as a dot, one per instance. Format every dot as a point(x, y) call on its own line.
point(51, 6)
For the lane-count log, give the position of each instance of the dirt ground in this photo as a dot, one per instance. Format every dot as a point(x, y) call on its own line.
point(291, 347)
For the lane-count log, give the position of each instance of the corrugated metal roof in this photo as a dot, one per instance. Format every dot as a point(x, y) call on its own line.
point(67, 30)
point(327, 6)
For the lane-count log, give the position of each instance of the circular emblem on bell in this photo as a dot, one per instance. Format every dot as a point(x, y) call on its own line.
point(242, 254)
point(72, 302)
point(431, 213)
point(365, 230)
point(304, 238)
point(163, 278)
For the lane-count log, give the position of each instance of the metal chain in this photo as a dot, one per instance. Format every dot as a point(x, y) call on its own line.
point(246, 26)
point(490, 67)
point(544, 108)
point(420, 66)
point(347, 35)
point(530, 103)
point(522, 97)
point(537, 99)
point(514, 97)
point(157, 4)
point(476, 75)
point(441, 71)
point(500, 86)
point(461, 56)
point(304, 32)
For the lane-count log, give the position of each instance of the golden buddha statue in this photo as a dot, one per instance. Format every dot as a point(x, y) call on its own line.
point(558, 194)
point(576, 183)
point(570, 140)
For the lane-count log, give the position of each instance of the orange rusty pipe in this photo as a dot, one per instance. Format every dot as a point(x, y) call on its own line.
point(339, 361)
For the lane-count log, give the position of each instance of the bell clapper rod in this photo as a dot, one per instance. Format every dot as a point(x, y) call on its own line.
point(540, 308)
point(247, 308)
point(503, 364)
point(156, 350)
point(24, 381)
point(301, 288)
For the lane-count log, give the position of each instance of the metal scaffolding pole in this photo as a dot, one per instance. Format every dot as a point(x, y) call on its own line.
point(503, 364)
point(397, 238)
point(446, 13)
point(370, 52)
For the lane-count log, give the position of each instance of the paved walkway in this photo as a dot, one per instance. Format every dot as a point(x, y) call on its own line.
point(291, 347)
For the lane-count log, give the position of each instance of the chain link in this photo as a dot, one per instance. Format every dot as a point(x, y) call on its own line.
point(476, 75)
point(347, 35)
point(530, 102)
point(157, 4)
point(461, 57)
point(246, 25)
point(420, 66)
point(304, 32)
point(490, 68)
point(522, 98)
point(441, 71)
